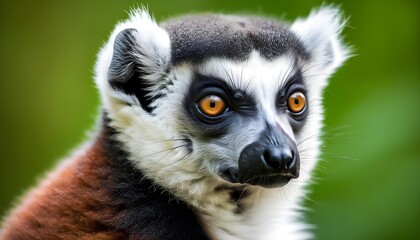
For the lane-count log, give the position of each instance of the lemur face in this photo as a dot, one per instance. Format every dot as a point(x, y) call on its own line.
point(220, 99)
point(241, 117)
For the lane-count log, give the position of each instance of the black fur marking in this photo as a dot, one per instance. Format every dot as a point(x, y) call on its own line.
point(188, 145)
point(236, 196)
point(294, 83)
point(145, 210)
point(197, 38)
point(126, 72)
point(239, 105)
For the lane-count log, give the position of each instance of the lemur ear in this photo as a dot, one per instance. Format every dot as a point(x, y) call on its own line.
point(320, 34)
point(140, 59)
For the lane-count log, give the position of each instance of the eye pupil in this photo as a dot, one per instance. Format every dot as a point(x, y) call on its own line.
point(296, 101)
point(212, 104)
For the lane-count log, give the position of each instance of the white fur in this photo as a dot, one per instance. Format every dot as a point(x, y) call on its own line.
point(320, 30)
point(152, 41)
point(271, 213)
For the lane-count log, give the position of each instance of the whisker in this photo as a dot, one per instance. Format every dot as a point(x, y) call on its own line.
point(326, 134)
point(339, 156)
point(242, 193)
point(169, 149)
point(307, 149)
point(261, 196)
point(169, 140)
point(308, 138)
point(250, 81)
point(176, 161)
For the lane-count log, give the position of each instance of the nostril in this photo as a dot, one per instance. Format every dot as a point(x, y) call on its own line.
point(279, 158)
point(288, 158)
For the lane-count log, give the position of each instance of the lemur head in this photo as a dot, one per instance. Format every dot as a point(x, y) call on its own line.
point(206, 100)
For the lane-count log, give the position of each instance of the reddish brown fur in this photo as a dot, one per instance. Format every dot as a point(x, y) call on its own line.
point(70, 204)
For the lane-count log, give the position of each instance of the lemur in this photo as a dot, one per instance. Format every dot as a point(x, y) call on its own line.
point(209, 129)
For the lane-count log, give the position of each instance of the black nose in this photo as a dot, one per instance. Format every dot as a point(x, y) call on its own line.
point(277, 158)
point(271, 161)
point(268, 165)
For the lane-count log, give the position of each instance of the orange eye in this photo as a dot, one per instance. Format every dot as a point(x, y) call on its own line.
point(296, 102)
point(212, 105)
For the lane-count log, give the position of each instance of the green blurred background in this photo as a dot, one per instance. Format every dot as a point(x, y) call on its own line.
point(368, 183)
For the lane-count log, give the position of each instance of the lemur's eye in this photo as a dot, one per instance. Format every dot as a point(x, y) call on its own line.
point(212, 105)
point(296, 102)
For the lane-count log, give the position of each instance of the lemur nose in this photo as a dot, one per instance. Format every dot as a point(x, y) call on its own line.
point(279, 158)
point(271, 161)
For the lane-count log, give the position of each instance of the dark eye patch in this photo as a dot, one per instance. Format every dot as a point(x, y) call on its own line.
point(238, 104)
point(237, 99)
point(292, 85)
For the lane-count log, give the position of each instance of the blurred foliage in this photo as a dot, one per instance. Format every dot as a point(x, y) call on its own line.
point(368, 180)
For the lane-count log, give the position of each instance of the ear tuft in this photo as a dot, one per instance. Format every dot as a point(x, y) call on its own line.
point(320, 34)
point(134, 60)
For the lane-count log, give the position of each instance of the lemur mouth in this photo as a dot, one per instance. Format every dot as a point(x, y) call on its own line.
point(271, 180)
